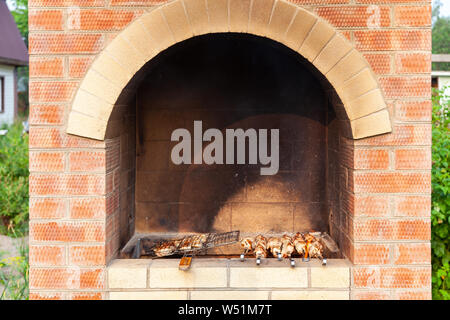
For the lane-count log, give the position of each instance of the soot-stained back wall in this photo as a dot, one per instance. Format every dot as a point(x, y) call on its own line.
point(231, 81)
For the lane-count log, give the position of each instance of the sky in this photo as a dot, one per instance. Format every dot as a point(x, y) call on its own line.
point(445, 9)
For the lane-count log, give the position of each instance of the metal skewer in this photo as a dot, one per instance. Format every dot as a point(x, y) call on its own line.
point(242, 256)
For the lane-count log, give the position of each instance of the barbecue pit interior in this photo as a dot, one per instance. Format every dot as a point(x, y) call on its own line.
point(230, 81)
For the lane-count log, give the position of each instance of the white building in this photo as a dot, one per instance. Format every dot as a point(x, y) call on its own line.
point(13, 53)
point(441, 79)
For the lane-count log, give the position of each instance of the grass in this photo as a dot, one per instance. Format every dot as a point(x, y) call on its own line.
point(14, 274)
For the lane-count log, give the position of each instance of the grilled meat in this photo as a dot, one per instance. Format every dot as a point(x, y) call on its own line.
point(260, 246)
point(199, 240)
point(186, 244)
point(316, 249)
point(166, 248)
point(274, 245)
point(309, 237)
point(248, 244)
point(287, 248)
point(300, 244)
point(260, 251)
point(259, 238)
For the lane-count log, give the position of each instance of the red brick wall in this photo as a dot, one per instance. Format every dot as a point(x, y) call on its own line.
point(76, 183)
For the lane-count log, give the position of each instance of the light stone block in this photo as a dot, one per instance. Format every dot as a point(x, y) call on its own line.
point(202, 274)
point(229, 295)
point(111, 70)
point(320, 34)
point(334, 51)
point(360, 84)
point(260, 16)
point(218, 15)
point(178, 22)
point(325, 277)
point(346, 68)
point(365, 104)
point(155, 24)
point(371, 125)
point(276, 277)
point(128, 274)
point(96, 84)
point(310, 295)
point(282, 15)
point(126, 55)
point(148, 295)
point(197, 15)
point(239, 15)
point(91, 105)
point(86, 126)
point(299, 29)
point(140, 39)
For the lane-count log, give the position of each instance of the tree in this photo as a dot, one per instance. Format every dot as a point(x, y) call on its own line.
point(440, 35)
point(20, 14)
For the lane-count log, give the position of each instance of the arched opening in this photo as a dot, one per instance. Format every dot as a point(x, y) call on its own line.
point(229, 81)
point(102, 109)
point(111, 75)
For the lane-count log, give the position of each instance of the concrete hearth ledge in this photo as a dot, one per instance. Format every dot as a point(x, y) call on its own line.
point(228, 279)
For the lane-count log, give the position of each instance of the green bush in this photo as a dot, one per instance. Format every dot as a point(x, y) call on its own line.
point(14, 180)
point(440, 216)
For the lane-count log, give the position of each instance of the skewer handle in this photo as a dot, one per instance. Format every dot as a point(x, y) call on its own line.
point(279, 257)
point(185, 262)
point(324, 261)
point(242, 256)
point(292, 263)
point(258, 261)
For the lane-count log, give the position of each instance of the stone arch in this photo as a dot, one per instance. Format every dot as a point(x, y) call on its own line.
point(312, 37)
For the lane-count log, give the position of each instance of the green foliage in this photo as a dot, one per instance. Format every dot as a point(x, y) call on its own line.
point(14, 274)
point(14, 180)
point(440, 36)
point(20, 14)
point(440, 213)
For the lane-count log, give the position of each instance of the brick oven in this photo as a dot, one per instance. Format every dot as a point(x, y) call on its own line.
point(345, 83)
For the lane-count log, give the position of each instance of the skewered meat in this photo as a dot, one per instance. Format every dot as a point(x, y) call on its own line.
point(300, 244)
point(186, 244)
point(274, 244)
point(309, 237)
point(199, 240)
point(247, 244)
point(260, 251)
point(314, 247)
point(259, 238)
point(166, 248)
point(316, 250)
point(287, 246)
point(260, 246)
